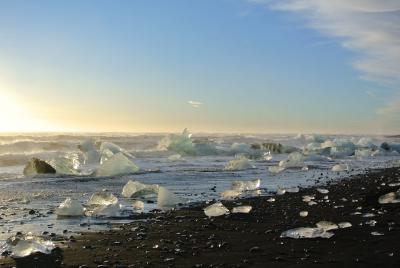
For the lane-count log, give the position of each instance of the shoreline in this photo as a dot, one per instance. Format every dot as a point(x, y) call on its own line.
point(187, 238)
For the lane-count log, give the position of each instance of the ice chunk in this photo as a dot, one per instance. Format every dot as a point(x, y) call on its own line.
point(246, 185)
point(23, 245)
point(327, 225)
point(322, 191)
point(275, 169)
point(305, 168)
point(137, 189)
point(343, 225)
point(166, 198)
point(376, 233)
point(216, 210)
point(361, 153)
point(105, 155)
point(90, 152)
point(37, 166)
point(312, 203)
point(366, 142)
point(295, 159)
point(67, 164)
point(271, 199)
point(175, 157)
point(230, 194)
point(110, 210)
point(340, 168)
point(178, 143)
point(292, 190)
point(388, 198)
point(118, 164)
point(281, 191)
point(308, 198)
point(240, 148)
point(239, 164)
point(138, 205)
point(306, 232)
point(70, 208)
point(102, 198)
point(303, 213)
point(343, 148)
point(87, 146)
point(242, 209)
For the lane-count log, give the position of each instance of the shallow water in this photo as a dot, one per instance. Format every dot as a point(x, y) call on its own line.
point(194, 178)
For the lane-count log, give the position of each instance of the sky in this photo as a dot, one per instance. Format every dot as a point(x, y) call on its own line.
point(254, 66)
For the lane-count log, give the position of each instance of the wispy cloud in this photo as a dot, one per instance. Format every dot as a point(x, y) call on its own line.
point(371, 28)
point(195, 104)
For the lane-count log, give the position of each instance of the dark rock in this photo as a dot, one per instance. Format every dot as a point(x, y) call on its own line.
point(37, 166)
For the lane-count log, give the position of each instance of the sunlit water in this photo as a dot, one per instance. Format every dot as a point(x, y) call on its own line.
point(196, 178)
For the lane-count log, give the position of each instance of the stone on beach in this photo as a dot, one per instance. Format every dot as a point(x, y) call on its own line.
point(242, 209)
point(117, 164)
point(215, 210)
point(303, 213)
point(392, 197)
point(322, 190)
point(138, 189)
point(70, 208)
point(37, 166)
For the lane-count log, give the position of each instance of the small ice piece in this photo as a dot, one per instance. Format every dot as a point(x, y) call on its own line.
point(303, 213)
point(292, 190)
point(275, 169)
point(376, 233)
point(394, 184)
point(281, 191)
point(368, 215)
point(242, 209)
point(117, 164)
point(241, 163)
point(175, 157)
point(327, 225)
point(294, 159)
point(216, 210)
point(340, 168)
point(111, 210)
point(102, 198)
point(23, 245)
point(166, 198)
point(36, 166)
point(312, 203)
point(138, 205)
point(322, 191)
point(271, 199)
point(371, 222)
point(343, 225)
point(246, 185)
point(70, 208)
point(356, 213)
point(305, 168)
point(136, 189)
point(389, 198)
point(306, 232)
point(308, 198)
point(230, 194)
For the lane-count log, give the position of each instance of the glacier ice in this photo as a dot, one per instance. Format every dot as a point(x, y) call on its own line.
point(178, 143)
point(215, 210)
point(392, 197)
point(117, 164)
point(241, 163)
point(306, 232)
point(102, 198)
point(67, 164)
point(110, 210)
point(242, 209)
point(340, 167)
point(166, 198)
point(138, 205)
point(24, 245)
point(70, 208)
point(137, 189)
point(295, 159)
point(246, 185)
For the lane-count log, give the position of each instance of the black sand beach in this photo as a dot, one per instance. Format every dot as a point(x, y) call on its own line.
point(187, 238)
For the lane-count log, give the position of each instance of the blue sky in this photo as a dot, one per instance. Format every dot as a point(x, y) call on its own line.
point(134, 65)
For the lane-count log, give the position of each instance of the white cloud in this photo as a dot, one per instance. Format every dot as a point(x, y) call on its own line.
point(195, 104)
point(371, 28)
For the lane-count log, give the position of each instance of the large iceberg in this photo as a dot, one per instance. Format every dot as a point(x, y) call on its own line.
point(117, 164)
point(137, 189)
point(70, 208)
point(24, 245)
point(166, 198)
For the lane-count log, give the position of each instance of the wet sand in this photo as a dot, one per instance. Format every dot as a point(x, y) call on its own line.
point(187, 238)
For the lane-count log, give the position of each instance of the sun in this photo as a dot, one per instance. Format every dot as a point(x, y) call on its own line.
point(16, 117)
